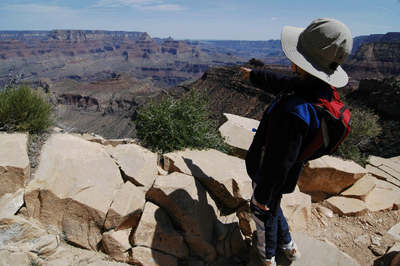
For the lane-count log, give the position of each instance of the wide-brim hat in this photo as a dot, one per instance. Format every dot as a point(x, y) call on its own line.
point(319, 49)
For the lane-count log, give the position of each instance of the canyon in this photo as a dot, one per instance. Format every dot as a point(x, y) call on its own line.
point(98, 80)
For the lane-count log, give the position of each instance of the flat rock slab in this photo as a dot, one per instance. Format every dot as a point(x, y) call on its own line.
point(313, 252)
point(330, 175)
point(395, 232)
point(138, 164)
point(14, 162)
point(383, 197)
point(390, 166)
point(238, 132)
point(362, 188)
point(346, 206)
point(223, 175)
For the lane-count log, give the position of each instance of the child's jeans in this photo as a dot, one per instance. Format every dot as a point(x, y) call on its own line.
point(272, 228)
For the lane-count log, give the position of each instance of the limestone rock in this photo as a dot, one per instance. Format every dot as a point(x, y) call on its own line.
point(18, 234)
point(230, 241)
point(157, 232)
point(116, 244)
point(395, 232)
point(296, 207)
point(389, 166)
point(224, 176)
point(11, 203)
point(75, 184)
point(329, 175)
point(138, 164)
point(325, 211)
point(346, 206)
point(126, 208)
point(8, 258)
point(151, 257)
point(385, 169)
point(191, 210)
point(14, 162)
point(383, 196)
point(238, 132)
point(17, 229)
point(361, 189)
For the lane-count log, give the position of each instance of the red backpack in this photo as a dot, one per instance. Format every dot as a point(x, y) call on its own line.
point(335, 126)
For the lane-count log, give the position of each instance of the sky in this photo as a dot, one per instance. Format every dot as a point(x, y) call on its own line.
point(199, 19)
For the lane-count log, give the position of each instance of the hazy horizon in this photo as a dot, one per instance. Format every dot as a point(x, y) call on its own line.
point(253, 20)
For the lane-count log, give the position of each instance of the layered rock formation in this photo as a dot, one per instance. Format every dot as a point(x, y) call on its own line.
point(374, 60)
point(89, 56)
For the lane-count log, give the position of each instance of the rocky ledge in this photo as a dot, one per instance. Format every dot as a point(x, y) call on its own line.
point(93, 201)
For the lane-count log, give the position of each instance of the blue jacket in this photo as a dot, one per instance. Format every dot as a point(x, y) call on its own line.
point(272, 159)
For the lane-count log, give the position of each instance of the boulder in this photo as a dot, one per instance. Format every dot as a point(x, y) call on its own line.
point(395, 232)
point(75, 184)
point(138, 164)
point(157, 232)
point(14, 258)
point(346, 206)
point(388, 166)
point(296, 208)
point(126, 209)
point(223, 175)
point(19, 234)
point(191, 210)
point(11, 203)
point(383, 197)
point(329, 175)
point(116, 244)
point(361, 189)
point(238, 132)
point(150, 257)
point(14, 162)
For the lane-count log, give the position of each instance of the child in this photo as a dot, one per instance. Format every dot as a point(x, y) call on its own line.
point(272, 160)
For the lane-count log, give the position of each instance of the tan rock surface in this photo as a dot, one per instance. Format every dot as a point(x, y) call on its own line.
point(224, 176)
point(395, 232)
point(116, 244)
point(329, 175)
point(346, 206)
point(150, 257)
point(11, 203)
point(126, 208)
point(238, 132)
point(361, 189)
point(75, 184)
point(156, 231)
point(138, 164)
point(383, 196)
point(8, 258)
point(296, 207)
point(14, 162)
point(191, 210)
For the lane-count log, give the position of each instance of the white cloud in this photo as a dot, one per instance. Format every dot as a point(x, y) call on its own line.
point(140, 4)
point(273, 19)
point(166, 7)
point(38, 8)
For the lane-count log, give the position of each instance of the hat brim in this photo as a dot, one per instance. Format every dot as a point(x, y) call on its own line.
point(289, 39)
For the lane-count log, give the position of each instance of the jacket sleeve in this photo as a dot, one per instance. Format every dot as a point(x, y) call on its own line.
point(285, 138)
point(271, 82)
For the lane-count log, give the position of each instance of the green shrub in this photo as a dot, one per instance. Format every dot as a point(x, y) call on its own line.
point(364, 129)
point(176, 124)
point(24, 109)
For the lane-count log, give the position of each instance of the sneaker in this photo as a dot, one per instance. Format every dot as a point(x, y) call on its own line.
point(291, 251)
point(266, 262)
